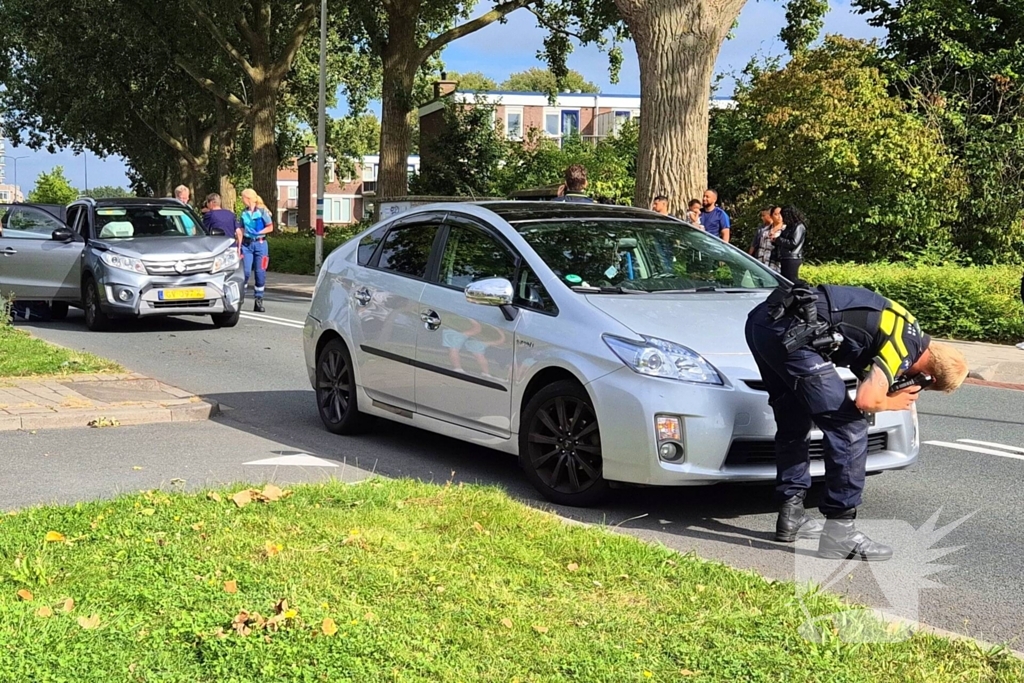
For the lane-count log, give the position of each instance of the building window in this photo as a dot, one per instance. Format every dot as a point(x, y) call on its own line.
point(337, 210)
point(293, 192)
point(514, 123)
point(368, 176)
point(5, 196)
point(552, 124)
point(621, 119)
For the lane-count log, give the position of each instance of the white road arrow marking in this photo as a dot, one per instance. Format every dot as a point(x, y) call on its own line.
point(1004, 447)
point(974, 449)
point(298, 460)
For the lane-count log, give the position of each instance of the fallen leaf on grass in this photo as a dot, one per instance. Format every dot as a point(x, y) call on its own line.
point(281, 606)
point(44, 612)
point(272, 549)
point(214, 496)
point(198, 526)
point(25, 595)
point(479, 527)
point(506, 622)
point(231, 586)
point(148, 512)
point(271, 493)
point(540, 629)
point(328, 627)
point(89, 623)
point(68, 605)
point(239, 623)
point(54, 537)
point(242, 498)
point(687, 672)
point(572, 566)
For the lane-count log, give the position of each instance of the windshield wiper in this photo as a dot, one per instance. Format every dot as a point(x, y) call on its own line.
point(605, 290)
point(706, 288)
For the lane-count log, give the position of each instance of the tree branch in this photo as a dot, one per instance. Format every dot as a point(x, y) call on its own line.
point(291, 48)
point(248, 35)
point(221, 39)
point(551, 27)
point(456, 32)
point(212, 87)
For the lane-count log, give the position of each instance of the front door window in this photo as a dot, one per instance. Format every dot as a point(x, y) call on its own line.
point(570, 123)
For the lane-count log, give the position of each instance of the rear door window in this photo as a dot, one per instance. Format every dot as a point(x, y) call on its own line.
point(406, 249)
point(368, 245)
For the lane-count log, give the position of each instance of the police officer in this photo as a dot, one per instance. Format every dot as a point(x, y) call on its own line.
point(798, 337)
point(256, 224)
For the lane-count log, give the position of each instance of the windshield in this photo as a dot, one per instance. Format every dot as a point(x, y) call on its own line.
point(124, 222)
point(644, 255)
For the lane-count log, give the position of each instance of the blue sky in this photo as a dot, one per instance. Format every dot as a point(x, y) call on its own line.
point(499, 50)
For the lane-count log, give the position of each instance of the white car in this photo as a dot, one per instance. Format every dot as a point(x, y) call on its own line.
point(602, 345)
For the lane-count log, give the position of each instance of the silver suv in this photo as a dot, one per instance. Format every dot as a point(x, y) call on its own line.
point(120, 258)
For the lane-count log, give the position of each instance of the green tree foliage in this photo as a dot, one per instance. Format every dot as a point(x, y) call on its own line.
point(53, 188)
point(466, 156)
point(875, 181)
point(544, 80)
point(474, 81)
point(109, 192)
point(962, 62)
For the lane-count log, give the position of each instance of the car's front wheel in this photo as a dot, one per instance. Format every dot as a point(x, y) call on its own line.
point(560, 445)
point(95, 319)
point(226, 319)
point(336, 391)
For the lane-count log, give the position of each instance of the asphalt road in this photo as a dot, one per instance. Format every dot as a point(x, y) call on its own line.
point(256, 371)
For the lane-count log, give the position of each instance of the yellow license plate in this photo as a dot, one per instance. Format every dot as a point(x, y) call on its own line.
point(181, 294)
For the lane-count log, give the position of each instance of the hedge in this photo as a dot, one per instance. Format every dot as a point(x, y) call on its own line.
point(953, 302)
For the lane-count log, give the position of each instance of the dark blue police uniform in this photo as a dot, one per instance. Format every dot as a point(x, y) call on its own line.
point(804, 388)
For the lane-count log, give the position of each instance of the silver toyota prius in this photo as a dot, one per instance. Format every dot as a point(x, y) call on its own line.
point(601, 345)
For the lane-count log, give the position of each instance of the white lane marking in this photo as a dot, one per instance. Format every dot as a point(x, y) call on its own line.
point(298, 460)
point(273, 317)
point(283, 323)
point(974, 449)
point(990, 444)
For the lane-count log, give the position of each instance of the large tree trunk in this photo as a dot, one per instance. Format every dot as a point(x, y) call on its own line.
point(396, 105)
point(677, 42)
point(264, 143)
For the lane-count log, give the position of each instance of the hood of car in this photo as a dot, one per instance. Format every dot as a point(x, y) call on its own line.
point(710, 323)
point(165, 248)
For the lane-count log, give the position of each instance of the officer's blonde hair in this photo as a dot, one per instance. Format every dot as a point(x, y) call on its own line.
point(947, 366)
point(249, 192)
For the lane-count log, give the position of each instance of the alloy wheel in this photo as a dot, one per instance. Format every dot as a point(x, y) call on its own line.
point(565, 445)
point(334, 385)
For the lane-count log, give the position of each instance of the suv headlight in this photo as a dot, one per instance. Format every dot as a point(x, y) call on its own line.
point(660, 358)
point(123, 262)
point(226, 260)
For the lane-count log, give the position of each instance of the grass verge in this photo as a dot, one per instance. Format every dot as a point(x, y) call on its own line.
point(402, 581)
point(22, 355)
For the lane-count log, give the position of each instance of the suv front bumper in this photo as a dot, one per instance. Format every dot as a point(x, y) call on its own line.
point(137, 295)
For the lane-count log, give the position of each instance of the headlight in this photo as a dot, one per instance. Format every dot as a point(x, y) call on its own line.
point(226, 260)
point(660, 358)
point(123, 262)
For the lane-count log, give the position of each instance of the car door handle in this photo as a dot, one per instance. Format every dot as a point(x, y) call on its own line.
point(362, 296)
point(8, 251)
point(431, 320)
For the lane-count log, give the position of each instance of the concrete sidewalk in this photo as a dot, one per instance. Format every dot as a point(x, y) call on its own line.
point(95, 400)
point(994, 364)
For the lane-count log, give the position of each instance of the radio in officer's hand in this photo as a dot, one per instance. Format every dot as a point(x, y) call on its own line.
point(920, 380)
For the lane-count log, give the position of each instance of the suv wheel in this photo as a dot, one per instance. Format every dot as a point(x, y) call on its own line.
point(336, 391)
point(560, 445)
point(95, 319)
point(226, 319)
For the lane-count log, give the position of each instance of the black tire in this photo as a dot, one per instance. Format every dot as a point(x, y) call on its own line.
point(560, 446)
point(336, 391)
point(59, 310)
point(226, 319)
point(95, 319)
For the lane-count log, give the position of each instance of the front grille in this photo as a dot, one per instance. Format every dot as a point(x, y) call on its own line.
point(763, 452)
point(192, 266)
point(759, 385)
point(204, 303)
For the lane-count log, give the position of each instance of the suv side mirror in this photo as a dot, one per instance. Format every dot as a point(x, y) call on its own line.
point(63, 235)
point(495, 291)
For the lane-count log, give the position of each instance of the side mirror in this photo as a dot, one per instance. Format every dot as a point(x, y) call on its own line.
point(63, 235)
point(495, 291)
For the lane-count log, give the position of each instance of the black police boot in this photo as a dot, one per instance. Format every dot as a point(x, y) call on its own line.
point(794, 522)
point(841, 541)
point(258, 305)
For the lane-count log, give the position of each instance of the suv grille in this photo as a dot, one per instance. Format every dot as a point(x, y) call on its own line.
point(204, 303)
point(763, 452)
point(192, 266)
point(759, 385)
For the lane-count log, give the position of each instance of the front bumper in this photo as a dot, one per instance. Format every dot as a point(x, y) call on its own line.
point(123, 293)
point(727, 433)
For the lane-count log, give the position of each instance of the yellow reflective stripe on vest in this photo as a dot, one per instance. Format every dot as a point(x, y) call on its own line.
point(899, 310)
point(891, 360)
point(897, 337)
point(887, 322)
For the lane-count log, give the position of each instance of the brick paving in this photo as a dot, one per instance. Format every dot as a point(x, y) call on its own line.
point(78, 400)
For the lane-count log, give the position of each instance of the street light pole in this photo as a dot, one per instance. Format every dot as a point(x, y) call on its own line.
point(7, 156)
point(321, 142)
